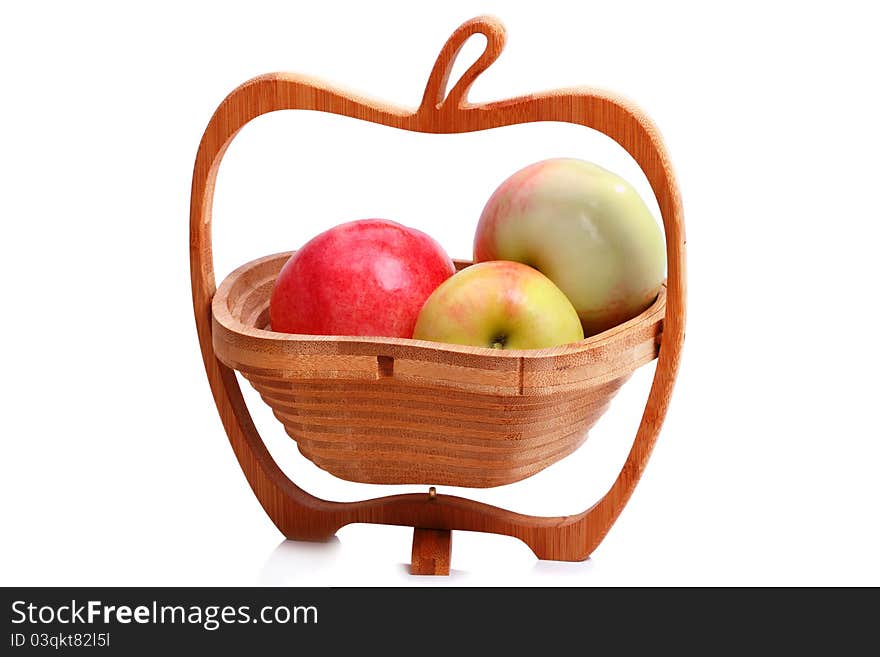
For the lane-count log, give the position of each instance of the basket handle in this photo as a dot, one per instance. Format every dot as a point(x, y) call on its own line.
point(301, 515)
point(435, 96)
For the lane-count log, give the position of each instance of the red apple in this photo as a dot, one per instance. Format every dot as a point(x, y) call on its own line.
point(363, 278)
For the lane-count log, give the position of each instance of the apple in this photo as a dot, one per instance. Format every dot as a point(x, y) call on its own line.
point(499, 304)
point(368, 277)
point(586, 229)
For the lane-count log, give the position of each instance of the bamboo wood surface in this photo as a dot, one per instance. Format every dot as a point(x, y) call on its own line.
point(300, 515)
point(431, 551)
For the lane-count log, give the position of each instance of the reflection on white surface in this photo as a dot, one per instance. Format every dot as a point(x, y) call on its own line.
point(328, 563)
point(455, 576)
point(563, 569)
point(294, 563)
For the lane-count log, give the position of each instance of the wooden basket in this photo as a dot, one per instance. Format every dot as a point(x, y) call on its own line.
point(394, 411)
point(397, 411)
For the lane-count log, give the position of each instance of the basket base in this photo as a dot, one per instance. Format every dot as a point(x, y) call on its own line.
point(431, 551)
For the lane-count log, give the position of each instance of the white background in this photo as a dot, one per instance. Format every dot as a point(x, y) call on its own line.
point(115, 469)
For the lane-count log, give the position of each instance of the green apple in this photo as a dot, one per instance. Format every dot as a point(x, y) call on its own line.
point(586, 229)
point(498, 304)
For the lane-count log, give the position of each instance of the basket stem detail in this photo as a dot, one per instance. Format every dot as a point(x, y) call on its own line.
point(435, 97)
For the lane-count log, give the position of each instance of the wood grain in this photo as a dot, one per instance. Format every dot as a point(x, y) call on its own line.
point(514, 383)
point(431, 551)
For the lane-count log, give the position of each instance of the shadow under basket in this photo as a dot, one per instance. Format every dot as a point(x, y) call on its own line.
point(399, 411)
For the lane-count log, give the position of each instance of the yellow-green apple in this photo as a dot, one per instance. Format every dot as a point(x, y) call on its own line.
point(499, 304)
point(585, 228)
point(368, 277)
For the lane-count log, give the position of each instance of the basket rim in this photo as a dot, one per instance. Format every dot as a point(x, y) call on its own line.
point(223, 316)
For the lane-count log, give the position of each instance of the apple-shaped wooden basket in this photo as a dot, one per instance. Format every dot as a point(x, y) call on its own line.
point(399, 411)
